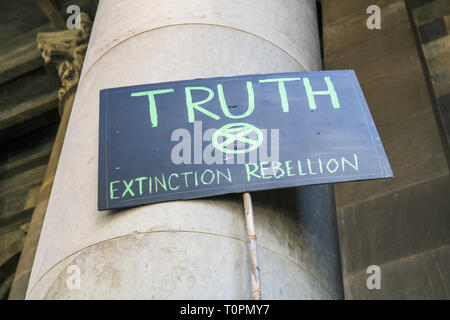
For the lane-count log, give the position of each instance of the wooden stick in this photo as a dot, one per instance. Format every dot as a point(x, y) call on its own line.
point(256, 284)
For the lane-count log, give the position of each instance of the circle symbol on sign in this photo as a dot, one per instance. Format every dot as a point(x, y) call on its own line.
point(235, 132)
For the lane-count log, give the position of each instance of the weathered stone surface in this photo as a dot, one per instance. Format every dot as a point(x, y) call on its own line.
point(424, 275)
point(66, 49)
point(395, 226)
point(390, 222)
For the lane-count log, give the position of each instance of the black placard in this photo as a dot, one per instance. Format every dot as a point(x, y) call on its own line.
point(205, 137)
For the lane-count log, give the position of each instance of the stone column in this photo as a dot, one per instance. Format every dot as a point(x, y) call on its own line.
point(185, 249)
point(65, 50)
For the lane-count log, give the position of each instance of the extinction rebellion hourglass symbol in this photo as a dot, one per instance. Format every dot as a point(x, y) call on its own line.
point(224, 139)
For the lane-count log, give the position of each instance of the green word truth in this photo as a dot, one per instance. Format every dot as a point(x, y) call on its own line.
point(199, 106)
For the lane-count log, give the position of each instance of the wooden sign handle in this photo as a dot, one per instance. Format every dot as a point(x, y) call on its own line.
point(255, 271)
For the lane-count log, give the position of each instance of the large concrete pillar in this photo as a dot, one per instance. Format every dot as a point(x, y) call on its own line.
point(186, 249)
